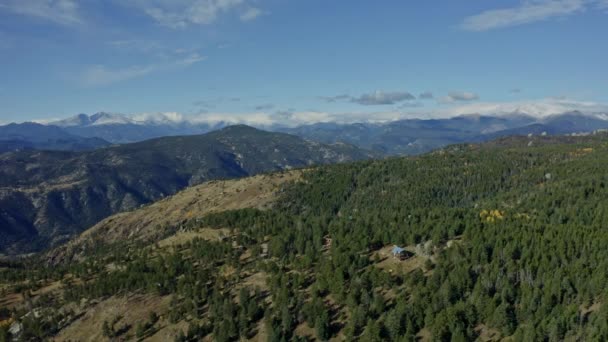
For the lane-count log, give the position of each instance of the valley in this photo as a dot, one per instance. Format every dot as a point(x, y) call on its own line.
point(47, 197)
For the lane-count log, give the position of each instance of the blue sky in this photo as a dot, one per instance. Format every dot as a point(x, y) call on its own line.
point(301, 61)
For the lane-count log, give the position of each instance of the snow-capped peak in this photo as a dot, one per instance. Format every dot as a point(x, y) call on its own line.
point(78, 120)
point(103, 118)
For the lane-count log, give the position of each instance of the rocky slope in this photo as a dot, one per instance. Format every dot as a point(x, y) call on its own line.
point(152, 222)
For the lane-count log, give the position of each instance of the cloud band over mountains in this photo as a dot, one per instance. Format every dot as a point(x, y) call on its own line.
point(404, 98)
point(378, 98)
point(291, 118)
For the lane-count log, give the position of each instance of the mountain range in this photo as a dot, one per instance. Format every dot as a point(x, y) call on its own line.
point(399, 137)
point(120, 129)
point(415, 136)
point(35, 136)
point(48, 196)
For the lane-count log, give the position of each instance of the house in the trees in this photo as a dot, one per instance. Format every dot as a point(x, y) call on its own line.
point(401, 253)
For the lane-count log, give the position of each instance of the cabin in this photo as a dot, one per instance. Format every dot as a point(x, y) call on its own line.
point(401, 253)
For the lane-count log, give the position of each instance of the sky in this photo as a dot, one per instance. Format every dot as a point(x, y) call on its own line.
point(301, 61)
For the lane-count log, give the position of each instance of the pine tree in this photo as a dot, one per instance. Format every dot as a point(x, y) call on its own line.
point(372, 332)
point(322, 326)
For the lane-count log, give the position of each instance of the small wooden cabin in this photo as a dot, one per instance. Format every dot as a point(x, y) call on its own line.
point(401, 253)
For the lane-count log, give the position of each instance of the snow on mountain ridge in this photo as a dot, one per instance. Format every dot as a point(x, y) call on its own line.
point(159, 119)
point(103, 118)
point(109, 119)
point(537, 110)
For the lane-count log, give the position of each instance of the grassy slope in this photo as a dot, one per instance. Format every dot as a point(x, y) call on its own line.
point(168, 215)
point(142, 225)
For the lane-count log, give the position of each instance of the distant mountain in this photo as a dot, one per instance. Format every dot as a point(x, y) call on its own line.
point(118, 128)
point(574, 122)
point(47, 197)
point(411, 136)
point(94, 120)
point(401, 137)
point(31, 135)
point(567, 123)
point(415, 136)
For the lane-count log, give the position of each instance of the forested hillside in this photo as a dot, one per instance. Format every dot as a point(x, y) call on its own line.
point(505, 239)
point(47, 197)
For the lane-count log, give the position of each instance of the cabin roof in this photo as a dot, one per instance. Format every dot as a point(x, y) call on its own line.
point(398, 250)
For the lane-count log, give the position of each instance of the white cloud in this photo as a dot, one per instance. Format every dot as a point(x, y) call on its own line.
point(139, 45)
point(333, 99)
point(383, 98)
point(193, 58)
point(528, 12)
point(263, 119)
point(256, 118)
point(284, 118)
point(373, 99)
point(207, 11)
point(459, 96)
point(64, 12)
point(182, 13)
point(251, 14)
point(156, 49)
point(159, 118)
point(99, 75)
